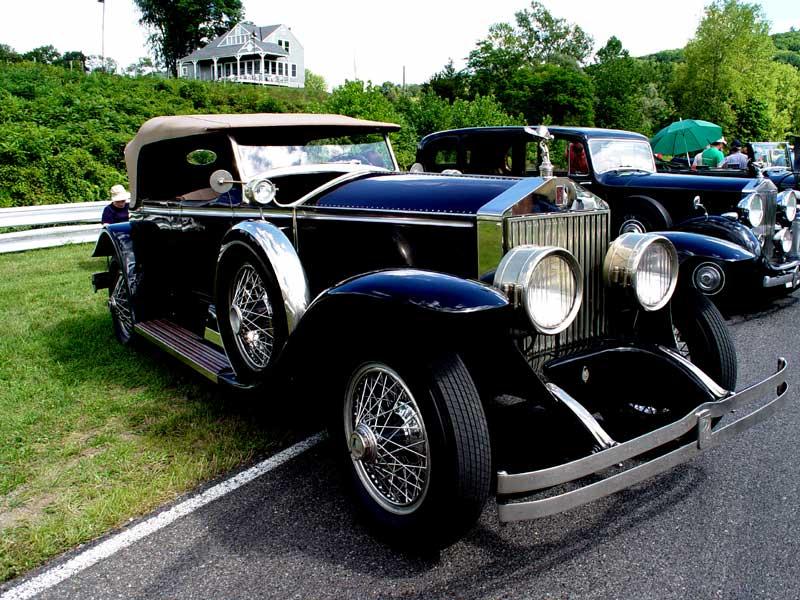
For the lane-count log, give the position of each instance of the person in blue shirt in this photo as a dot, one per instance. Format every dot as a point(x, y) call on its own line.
point(117, 210)
point(736, 159)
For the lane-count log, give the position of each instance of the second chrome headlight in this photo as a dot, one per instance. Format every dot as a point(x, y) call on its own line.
point(547, 281)
point(752, 209)
point(646, 263)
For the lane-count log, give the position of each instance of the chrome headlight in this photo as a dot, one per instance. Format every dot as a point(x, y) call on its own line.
point(645, 262)
point(547, 281)
point(787, 204)
point(260, 191)
point(783, 240)
point(753, 209)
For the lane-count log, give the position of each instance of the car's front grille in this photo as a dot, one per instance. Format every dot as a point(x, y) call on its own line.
point(587, 236)
point(766, 230)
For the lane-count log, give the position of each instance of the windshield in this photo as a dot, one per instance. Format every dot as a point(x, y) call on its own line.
point(612, 155)
point(370, 149)
point(772, 154)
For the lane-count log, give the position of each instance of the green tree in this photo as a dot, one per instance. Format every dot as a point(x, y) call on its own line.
point(74, 59)
point(180, 26)
point(315, 83)
point(729, 68)
point(619, 86)
point(143, 66)
point(449, 83)
point(550, 94)
point(47, 55)
point(8, 54)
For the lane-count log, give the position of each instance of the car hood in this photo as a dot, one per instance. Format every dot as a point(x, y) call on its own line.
point(426, 193)
point(675, 181)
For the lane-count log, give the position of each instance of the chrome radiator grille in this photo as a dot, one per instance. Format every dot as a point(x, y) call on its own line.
point(587, 236)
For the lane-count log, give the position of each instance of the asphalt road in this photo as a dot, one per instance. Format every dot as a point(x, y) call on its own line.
point(725, 525)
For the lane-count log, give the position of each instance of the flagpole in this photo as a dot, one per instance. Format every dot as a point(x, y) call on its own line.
point(103, 35)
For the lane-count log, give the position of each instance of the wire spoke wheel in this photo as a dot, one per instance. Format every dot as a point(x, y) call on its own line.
point(387, 439)
point(120, 306)
point(251, 317)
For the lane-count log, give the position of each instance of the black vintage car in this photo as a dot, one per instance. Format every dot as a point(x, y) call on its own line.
point(746, 240)
point(464, 335)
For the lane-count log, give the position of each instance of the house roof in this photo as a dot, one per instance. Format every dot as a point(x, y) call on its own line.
point(258, 33)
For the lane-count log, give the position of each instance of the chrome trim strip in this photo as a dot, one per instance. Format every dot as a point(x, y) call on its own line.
point(174, 352)
point(382, 219)
point(214, 337)
point(215, 212)
point(589, 422)
point(716, 390)
point(390, 211)
point(700, 417)
point(780, 280)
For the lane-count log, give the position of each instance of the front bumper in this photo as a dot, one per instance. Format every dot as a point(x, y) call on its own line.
point(787, 276)
point(510, 486)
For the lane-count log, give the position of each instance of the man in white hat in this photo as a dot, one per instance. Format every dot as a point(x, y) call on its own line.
point(117, 211)
point(713, 156)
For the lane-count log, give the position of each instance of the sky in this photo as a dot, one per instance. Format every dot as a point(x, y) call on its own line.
point(372, 40)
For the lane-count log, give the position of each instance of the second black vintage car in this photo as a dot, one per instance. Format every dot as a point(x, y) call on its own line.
point(462, 335)
point(746, 237)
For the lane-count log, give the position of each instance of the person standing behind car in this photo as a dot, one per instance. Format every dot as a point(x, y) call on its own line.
point(736, 159)
point(713, 156)
point(117, 210)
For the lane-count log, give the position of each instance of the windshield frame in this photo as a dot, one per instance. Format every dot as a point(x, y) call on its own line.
point(247, 173)
point(591, 153)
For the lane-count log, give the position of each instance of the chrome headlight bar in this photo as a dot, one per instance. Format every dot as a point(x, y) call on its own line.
point(547, 281)
point(787, 204)
point(645, 263)
point(752, 209)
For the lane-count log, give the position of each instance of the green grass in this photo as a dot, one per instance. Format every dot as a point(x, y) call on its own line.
point(93, 433)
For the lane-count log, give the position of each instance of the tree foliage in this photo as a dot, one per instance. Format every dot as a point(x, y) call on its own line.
point(728, 67)
point(180, 26)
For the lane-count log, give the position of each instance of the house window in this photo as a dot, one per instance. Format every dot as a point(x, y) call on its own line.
point(236, 37)
point(185, 70)
point(294, 70)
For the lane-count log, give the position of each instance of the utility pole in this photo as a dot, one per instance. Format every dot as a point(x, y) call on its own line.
point(103, 34)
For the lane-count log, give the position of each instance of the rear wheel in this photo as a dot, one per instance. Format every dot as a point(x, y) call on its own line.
point(417, 448)
point(119, 304)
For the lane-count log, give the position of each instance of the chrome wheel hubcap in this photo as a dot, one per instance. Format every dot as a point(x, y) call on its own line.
point(632, 226)
point(387, 439)
point(250, 317)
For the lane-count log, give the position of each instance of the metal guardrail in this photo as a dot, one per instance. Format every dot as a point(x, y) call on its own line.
point(50, 214)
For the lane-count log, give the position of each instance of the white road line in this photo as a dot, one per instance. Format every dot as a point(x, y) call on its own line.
point(125, 538)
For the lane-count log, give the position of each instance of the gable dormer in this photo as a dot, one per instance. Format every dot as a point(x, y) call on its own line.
point(236, 36)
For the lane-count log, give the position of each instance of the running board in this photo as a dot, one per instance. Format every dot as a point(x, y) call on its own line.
point(189, 348)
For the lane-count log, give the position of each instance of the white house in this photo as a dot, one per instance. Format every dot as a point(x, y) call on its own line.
point(248, 53)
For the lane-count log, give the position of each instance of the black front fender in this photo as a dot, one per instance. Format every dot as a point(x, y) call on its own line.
point(406, 308)
point(117, 241)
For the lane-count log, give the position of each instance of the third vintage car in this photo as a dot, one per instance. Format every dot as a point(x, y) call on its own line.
point(748, 234)
point(462, 336)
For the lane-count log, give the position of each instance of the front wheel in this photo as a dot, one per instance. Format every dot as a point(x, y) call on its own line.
point(417, 448)
point(699, 334)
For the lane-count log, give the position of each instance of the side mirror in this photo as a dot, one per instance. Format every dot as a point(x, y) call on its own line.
point(222, 181)
point(698, 205)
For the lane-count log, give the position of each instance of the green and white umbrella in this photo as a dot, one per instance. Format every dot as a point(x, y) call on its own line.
point(682, 137)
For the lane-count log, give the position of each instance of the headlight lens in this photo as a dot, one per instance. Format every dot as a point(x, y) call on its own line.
point(547, 281)
point(787, 203)
point(260, 191)
point(783, 240)
point(646, 263)
point(753, 208)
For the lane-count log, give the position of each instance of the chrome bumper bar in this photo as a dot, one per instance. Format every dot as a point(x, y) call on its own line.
point(790, 279)
point(519, 483)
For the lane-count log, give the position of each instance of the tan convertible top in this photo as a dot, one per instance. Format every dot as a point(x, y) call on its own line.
point(164, 128)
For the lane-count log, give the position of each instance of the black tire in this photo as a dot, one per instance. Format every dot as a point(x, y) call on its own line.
point(253, 328)
point(638, 215)
point(701, 335)
point(434, 485)
point(120, 304)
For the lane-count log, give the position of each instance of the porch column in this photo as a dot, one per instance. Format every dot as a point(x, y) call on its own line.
point(194, 62)
point(214, 74)
point(180, 69)
point(262, 66)
point(238, 67)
